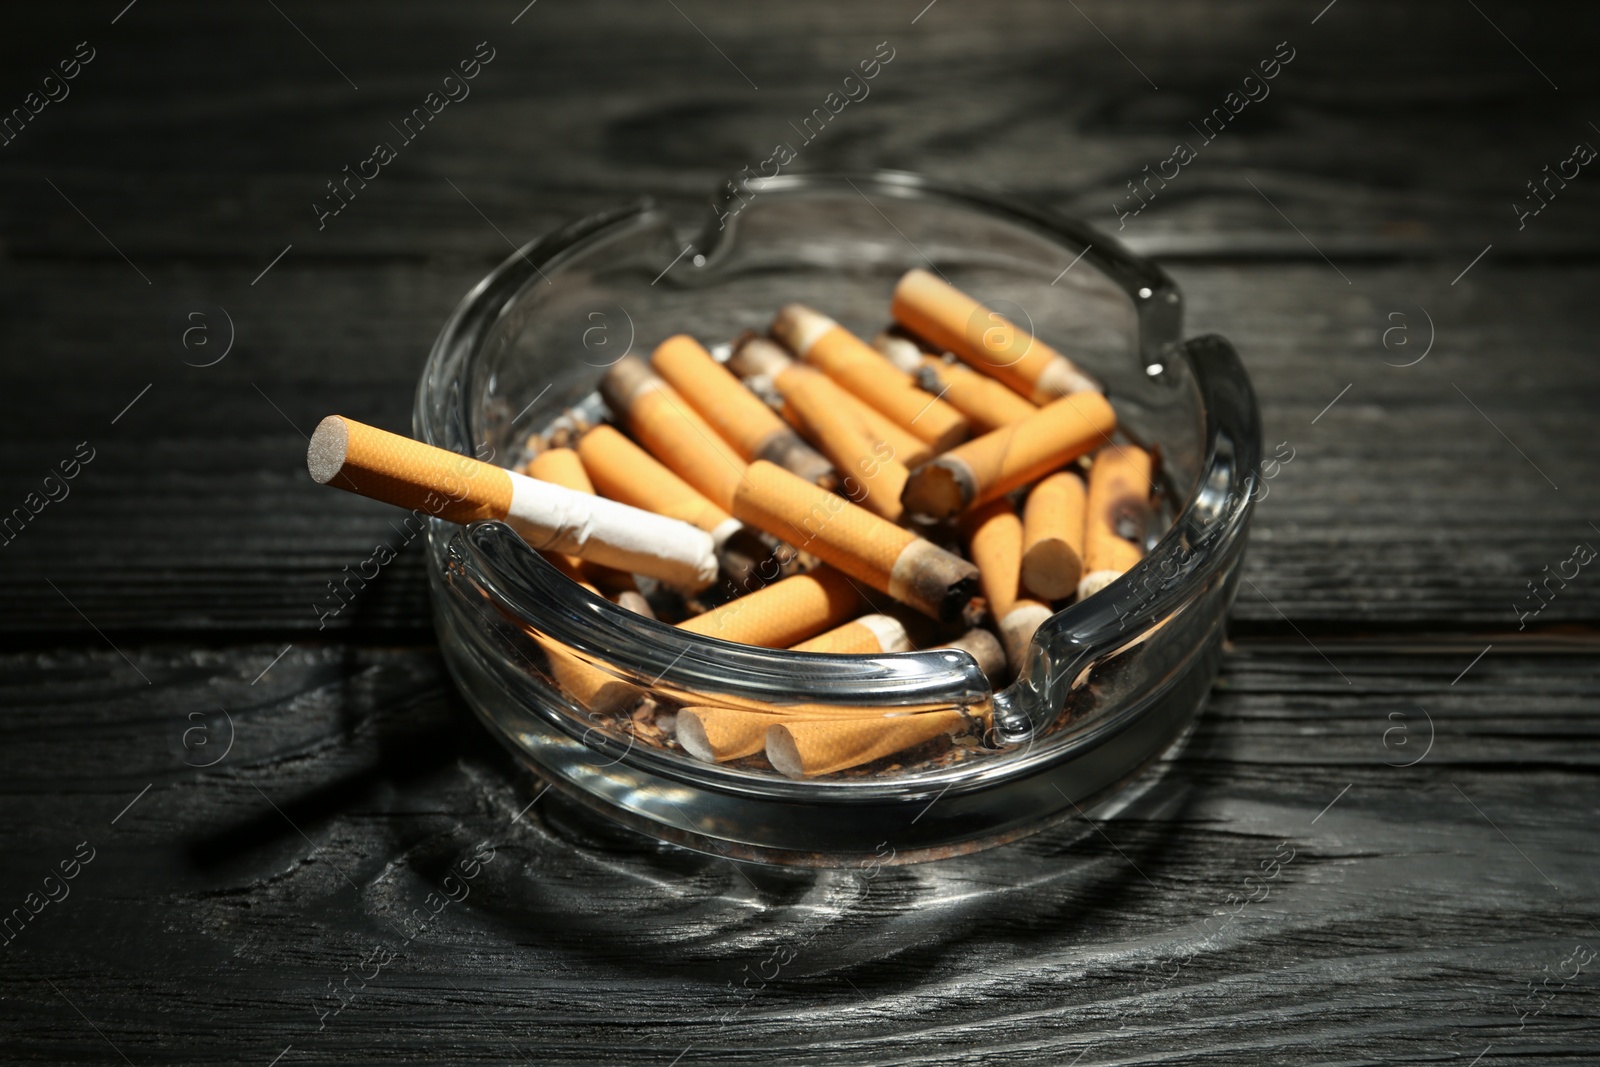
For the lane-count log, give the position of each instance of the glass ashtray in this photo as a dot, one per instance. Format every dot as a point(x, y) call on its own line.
point(1109, 683)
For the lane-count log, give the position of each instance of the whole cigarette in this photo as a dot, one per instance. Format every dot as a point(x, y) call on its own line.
point(994, 541)
point(1052, 536)
point(624, 471)
point(868, 472)
point(987, 404)
point(561, 466)
point(866, 636)
point(763, 364)
point(1001, 460)
point(852, 363)
point(1118, 504)
point(877, 552)
point(410, 474)
point(783, 613)
point(665, 423)
point(985, 340)
point(743, 420)
point(822, 746)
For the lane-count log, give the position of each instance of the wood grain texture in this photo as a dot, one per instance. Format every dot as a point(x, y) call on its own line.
point(1381, 719)
point(1400, 921)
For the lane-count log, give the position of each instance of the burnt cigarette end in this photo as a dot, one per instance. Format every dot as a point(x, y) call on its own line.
point(940, 489)
point(626, 379)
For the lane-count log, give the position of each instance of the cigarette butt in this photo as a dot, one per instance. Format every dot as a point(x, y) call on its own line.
point(665, 423)
point(624, 471)
point(762, 363)
point(1017, 629)
point(635, 602)
point(984, 647)
point(868, 471)
point(1118, 508)
point(785, 612)
point(852, 363)
point(743, 420)
point(716, 735)
point(586, 685)
point(985, 340)
point(561, 466)
point(410, 474)
point(870, 549)
point(1001, 460)
point(987, 404)
point(1052, 536)
point(994, 541)
point(869, 635)
point(821, 746)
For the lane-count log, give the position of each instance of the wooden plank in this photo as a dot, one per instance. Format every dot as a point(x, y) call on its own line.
point(1386, 135)
point(1408, 910)
point(1415, 501)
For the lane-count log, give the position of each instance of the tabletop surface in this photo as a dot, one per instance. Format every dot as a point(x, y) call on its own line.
point(1395, 230)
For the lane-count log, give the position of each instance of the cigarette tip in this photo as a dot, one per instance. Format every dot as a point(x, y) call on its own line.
point(330, 445)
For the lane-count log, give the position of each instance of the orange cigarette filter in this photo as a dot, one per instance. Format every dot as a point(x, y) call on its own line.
point(758, 360)
point(870, 549)
point(822, 746)
point(985, 340)
point(624, 471)
point(1118, 504)
point(854, 364)
point(868, 472)
point(987, 404)
point(561, 466)
point(994, 541)
point(1004, 459)
point(785, 612)
point(669, 427)
point(744, 421)
point(869, 635)
point(1052, 536)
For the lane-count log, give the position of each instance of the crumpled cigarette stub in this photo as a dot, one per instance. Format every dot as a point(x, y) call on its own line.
point(743, 420)
point(671, 430)
point(561, 466)
point(872, 550)
point(1118, 504)
point(397, 470)
point(947, 318)
point(784, 613)
point(1052, 536)
point(854, 364)
point(1002, 460)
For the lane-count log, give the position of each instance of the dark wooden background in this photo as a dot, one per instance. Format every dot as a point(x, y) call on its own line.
point(1443, 911)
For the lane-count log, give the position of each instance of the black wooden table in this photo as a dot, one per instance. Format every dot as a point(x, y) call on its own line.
point(254, 810)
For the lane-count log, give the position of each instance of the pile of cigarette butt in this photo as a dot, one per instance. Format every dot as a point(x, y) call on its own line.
point(947, 485)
